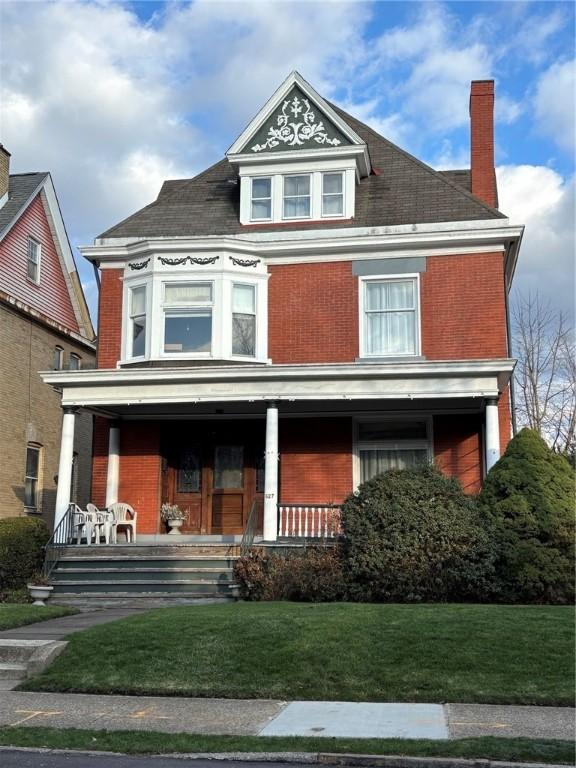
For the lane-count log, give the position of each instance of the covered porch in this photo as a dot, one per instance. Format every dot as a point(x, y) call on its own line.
point(270, 452)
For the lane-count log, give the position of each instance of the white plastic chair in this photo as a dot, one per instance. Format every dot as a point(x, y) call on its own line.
point(82, 526)
point(102, 522)
point(123, 517)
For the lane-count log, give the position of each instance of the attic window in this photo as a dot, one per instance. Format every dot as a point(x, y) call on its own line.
point(296, 197)
point(33, 260)
point(261, 199)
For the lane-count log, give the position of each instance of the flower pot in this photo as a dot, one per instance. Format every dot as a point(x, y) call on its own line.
point(39, 593)
point(175, 525)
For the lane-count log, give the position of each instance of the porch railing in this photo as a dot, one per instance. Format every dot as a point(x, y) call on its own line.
point(313, 521)
point(253, 525)
point(60, 539)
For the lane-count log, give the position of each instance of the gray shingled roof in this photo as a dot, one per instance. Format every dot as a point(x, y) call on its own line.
point(401, 190)
point(20, 188)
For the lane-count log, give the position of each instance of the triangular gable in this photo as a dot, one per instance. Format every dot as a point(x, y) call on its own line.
point(295, 124)
point(296, 118)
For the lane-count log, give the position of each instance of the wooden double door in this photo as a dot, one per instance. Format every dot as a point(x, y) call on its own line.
point(213, 471)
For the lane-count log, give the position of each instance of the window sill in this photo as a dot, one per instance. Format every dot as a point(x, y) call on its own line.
point(392, 359)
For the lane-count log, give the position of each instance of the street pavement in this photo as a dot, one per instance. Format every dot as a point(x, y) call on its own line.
point(22, 759)
point(259, 717)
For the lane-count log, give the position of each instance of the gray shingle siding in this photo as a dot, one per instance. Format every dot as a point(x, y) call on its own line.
point(20, 187)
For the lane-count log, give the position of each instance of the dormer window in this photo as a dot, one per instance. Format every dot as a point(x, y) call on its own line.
point(332, 194)
point(296, 203)
point(261, 199)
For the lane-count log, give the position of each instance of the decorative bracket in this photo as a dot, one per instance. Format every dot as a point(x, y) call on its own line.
point(174, 262)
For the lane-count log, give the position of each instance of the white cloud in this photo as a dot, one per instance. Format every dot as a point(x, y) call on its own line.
point(554, 104)
point(543, 201)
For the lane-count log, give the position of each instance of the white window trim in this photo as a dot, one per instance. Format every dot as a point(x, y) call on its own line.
point(271, 198)
point(310, 196)
point(362, 280)
point(314, 169)
point(255, 313)
point(75, 356)
point(394, 445)
point(221, 306)
point(37, 508)
point(127, 336)
point(28, 260)
point(185, 310)
point(58, 352)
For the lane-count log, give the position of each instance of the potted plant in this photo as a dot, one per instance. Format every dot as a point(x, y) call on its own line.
point(39, 589)
point(173, 516)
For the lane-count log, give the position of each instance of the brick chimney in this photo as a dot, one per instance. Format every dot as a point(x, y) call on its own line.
point(4, 171)
point(482, 175)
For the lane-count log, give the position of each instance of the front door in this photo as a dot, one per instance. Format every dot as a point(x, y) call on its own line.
point(214, 478)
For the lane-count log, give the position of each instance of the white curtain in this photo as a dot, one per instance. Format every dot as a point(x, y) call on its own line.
point(243, 299)
point(187, 293)
point(390, 318)
point(138, 301)
point(374, 462)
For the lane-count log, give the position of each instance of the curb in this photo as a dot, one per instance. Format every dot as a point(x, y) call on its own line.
point(312, 758)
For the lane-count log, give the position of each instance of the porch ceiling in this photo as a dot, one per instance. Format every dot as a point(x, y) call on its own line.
point(246, 389)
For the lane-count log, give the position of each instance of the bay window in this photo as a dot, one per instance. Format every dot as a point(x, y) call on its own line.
point(138, 321)
point(390, 322)
point(296, 197)
point(188, 318)
point(243, 320)
point(381, 445)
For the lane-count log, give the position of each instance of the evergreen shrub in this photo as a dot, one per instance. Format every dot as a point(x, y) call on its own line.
point(22, 542)
point(528, 500)
point(414, 535)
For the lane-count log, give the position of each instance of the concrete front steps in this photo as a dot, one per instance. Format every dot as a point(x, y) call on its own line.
point(103, 575)
point(20, 659)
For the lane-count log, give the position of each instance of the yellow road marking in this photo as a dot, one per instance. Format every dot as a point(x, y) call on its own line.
point(486, 725)
point(146, 713)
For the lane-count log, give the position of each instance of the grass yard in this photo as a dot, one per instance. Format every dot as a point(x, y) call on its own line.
point(338, 652)
point(138, 742)
point(16, 615)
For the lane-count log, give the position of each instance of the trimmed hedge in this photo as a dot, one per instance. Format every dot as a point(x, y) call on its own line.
point(22, 542)
point(310, 575)
point(528, 500)
point(414, 535)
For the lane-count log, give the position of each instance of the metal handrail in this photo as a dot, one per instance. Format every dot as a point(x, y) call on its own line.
point(61, 538)
point(250, 528)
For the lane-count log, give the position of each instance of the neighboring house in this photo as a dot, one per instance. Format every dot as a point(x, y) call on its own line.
point(317, 307)
point(44, 324)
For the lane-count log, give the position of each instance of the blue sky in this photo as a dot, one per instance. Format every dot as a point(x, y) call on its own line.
point(113, 97)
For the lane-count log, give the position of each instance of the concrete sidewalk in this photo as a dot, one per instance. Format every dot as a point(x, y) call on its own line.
point(58, 629)
point(278, 718)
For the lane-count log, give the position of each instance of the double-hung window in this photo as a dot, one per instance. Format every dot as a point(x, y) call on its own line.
point(32, 478)
point(332, 194)
point(188, 318)
point(138, 321)
point(296, 203)
point(244, 320)
point(33, 260)
point(58, 361)
point(390, 321)
point(261, 202)
point(391, 444)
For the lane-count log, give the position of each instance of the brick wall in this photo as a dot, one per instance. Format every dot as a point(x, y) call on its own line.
point(315, 460)
point(458, 448)
point(482, 176)
point(313, 313)
point(30, 412)
point(463, 309)
point(140, 472)
point(110, 318)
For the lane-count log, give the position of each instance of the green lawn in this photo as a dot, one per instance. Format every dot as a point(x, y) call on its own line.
point(16, 615)
point(138, 742)
point(341, 652)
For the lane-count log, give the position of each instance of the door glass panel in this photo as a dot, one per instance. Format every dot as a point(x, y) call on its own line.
point(189, 471)
point(228, 466)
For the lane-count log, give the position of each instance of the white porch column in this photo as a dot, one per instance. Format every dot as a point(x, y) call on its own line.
point(65, 465)
point(492, 433)
point(270, 531)
point(113, 473)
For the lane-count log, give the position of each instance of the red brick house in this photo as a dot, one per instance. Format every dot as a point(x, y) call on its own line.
point(317, 307)
point(44, 323)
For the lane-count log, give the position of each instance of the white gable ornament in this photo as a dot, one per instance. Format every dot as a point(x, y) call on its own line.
point(296, 133)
